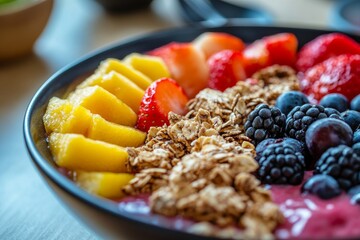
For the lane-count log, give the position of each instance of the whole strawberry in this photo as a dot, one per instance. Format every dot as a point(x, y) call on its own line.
point(339, 74)
point(161, 97)
point(226, 69)
point(324, 47)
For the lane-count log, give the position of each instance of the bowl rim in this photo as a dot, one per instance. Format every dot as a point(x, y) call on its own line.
point(69, 186)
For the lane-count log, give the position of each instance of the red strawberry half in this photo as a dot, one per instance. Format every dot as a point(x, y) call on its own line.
point(226, 68)
point(275, 49)
point(324, 47)
point(340, 74)
point(186, 64)
point(161, 97)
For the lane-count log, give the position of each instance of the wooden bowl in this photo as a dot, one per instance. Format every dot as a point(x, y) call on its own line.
point(20, 25)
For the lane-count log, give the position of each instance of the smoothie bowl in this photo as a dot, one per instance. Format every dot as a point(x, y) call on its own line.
point(233, 132)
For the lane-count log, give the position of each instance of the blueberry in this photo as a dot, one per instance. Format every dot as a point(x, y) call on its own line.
point(288, 100)
point(356, 137)
point(356, 148)
point(352, 118)
point(336, 101)
point(323, 186)
point(355, 103)
point(326, 133)
point(354, 193)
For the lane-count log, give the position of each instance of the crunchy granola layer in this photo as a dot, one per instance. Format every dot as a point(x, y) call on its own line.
point(201, 166)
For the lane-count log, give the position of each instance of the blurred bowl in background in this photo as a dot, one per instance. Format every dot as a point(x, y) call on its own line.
point(346, 16)
point(21, 23)
point(124, 5)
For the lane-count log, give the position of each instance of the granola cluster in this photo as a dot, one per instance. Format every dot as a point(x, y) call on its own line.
point(201, 166)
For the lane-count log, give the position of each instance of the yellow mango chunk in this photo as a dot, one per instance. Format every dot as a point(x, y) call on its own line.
point(104, 184)
point(119, 85)
point(102, 102)
point(75, 152)
point(134, 75)
point(124, 136)
point(63, 117)
point(153, 67)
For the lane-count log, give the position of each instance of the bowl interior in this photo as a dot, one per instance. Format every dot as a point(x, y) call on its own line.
point(64, 79)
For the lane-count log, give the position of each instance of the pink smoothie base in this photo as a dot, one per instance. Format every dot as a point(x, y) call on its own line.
point(306, 216)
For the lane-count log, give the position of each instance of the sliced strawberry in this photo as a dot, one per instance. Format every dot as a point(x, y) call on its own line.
point(186, 64)
point(340, 74)
point(324, 47)
point(161, 97)
point(226, 69)
point(212, 42)
point(282, 48)
point(275, 49)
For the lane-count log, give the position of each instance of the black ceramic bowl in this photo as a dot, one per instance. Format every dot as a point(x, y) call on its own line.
point(103, 216)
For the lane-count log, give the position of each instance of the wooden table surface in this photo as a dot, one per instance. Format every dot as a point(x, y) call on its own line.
point(28, 210)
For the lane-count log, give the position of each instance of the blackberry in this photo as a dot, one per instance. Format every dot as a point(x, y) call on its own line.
point(342, 163)
point(281, 164)
point(265, 122)
point(300, 118)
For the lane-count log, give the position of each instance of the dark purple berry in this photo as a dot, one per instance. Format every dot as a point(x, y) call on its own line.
point(354, 194)
point(336, 101)
point(352, 118)
point(323, 186)
point(264, 122)
point(356, 137)
point(342, 163)
point(356, 148)
point(288, 100)
point(355, 103)
point(326, 133)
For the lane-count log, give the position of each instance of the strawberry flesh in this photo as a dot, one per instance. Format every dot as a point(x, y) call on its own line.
point(161, 97)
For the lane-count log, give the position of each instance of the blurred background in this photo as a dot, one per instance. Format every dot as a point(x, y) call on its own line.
point(38, 37)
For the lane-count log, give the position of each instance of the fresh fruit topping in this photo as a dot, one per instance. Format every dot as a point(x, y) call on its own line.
point(153, 67)
point(212, 42)
point(275, 49)
point(342, 163)
point(75, 152)
point(356, 148)
point(99, 101)
point(336, 101)
point(355, 103)
point(356, 137)
point(352, 118)
point(162, 96)
point(354, 193)
point(339, 74)
point(226, 69)
point(288, 100)
point(129, 72)
point(264, 122)
point(119, 85)
point(324, 47)
point(298, 146)
point(326, 133)
point(186, 64)
point(281, 164)
point(300, 118)
point(323, 186)
point(104, 184)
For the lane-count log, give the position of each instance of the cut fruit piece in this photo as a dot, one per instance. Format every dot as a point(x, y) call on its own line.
point(119, 85)
point(212, 42)
point(63, 117)
point(163, 96)
point(99, 101)
point(131, 73)
point(153, 67)
point(124, 136)
point(187, 66)
point(104, 184)
point(75, 152)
